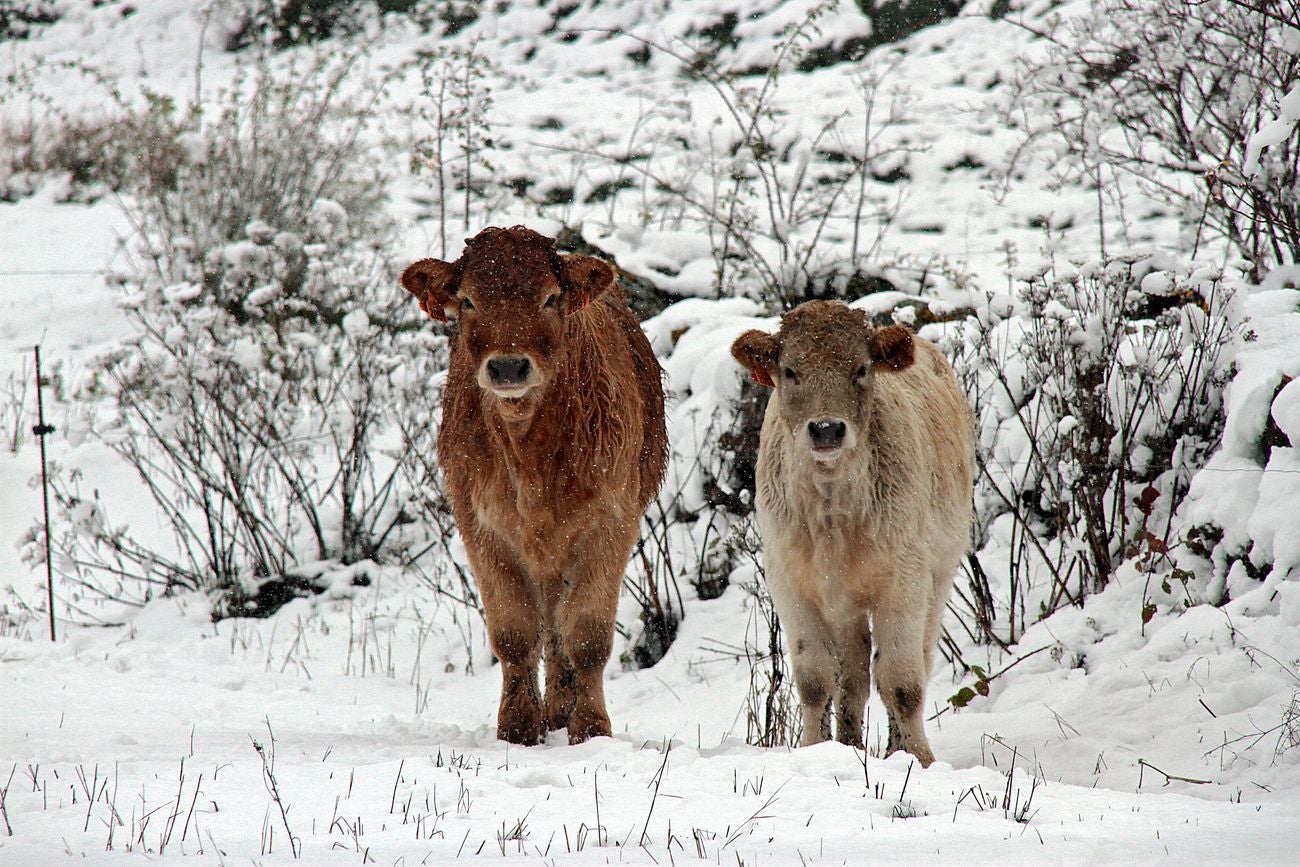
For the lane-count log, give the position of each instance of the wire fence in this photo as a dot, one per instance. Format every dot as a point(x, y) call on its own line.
point(54, 272)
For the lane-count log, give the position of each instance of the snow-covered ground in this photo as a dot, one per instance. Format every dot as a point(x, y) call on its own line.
point(384, 751)
point(358, 726)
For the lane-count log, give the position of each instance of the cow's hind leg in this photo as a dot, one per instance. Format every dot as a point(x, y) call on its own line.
point(560, 694)
point(900, 633)
point(853, 686)
point(514, 620)
point(585, 620)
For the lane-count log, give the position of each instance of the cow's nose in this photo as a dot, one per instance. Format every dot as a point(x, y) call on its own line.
point(827, 433)
point(508, 370)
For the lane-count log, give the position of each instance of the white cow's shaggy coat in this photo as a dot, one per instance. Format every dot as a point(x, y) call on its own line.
point(864, 505)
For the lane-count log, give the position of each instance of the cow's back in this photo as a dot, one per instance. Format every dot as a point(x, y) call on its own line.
point(648, 375)
point(923, 442)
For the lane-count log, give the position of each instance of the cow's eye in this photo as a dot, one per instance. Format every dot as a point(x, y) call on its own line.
point(861, 371)
point(551, 301)
point(788, 373)
point(466, 303)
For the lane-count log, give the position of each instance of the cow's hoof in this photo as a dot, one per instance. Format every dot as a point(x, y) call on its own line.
point(584, 728)
point(524, 729)
point(557, 718)
point(924, 757)
point(558, 705)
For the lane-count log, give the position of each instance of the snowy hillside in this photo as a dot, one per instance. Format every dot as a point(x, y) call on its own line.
point(1120, 672)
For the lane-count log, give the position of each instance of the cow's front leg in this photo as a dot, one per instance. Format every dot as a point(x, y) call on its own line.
point(809, 642)
point(900, 631)
point(512, 607)
point(585, 617)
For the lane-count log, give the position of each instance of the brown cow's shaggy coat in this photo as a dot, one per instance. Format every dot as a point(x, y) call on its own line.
point(864, 504)
point(552, 444)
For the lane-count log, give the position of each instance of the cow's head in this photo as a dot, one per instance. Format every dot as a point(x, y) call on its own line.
point(823, 363)
point(510, 293)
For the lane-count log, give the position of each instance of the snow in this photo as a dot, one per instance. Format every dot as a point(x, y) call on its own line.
point(1273, 132)
point(247, 353)
point(57, 279)
point(1252, 501)
point(356, 323)
point(354, 751)
point(378, 702)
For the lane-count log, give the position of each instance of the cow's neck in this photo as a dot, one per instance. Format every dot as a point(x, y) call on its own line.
point(531, 439)
point(834, 496)
point(838, 487)
point(521, 430)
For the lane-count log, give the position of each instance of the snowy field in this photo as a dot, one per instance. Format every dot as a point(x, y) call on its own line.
point(357, 726)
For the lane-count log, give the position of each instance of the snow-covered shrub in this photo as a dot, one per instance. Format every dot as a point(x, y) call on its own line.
point(283, 24)
point(273, 357)
point(44, 135)
point(1197, 101)
point(894, 20)
point(455, 151)
point(686, 531)
point(259, 413)
point(772, 715)
point(784, 201)
point(280, 141)
point(1238, 518)
point(14, 410)
point(654, 586)
point(18, 18)
point(1098, 391)
point(79, 148)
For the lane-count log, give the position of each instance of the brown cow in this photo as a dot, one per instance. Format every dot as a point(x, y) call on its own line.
point(864, 505)
point(552, 444)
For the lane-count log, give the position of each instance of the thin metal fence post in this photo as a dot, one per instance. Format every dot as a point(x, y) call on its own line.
point(42, 430)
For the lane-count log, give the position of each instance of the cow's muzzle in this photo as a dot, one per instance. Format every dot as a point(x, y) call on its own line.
point(827, 436)
point(509, 376)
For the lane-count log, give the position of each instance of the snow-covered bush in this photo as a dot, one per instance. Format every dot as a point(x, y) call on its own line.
point(259, 414)
point(281, 141)
point(1197, 101)
point(1238, 519)
point(783, 199)
point(18, 18)
point(1098, 391)
point(456, 110)
point(278, 383)
point(772, 715)
point(15, 412)
point(79, 148)
point(283, 24)
point(45, 136)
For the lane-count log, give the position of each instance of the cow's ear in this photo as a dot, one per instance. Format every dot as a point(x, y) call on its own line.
point(584, 279)
point(757, 352)
point(891, 348)
point(432, 282)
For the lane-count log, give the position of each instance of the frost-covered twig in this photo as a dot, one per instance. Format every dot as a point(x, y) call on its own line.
point(273, 788)
point(1169, 778)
